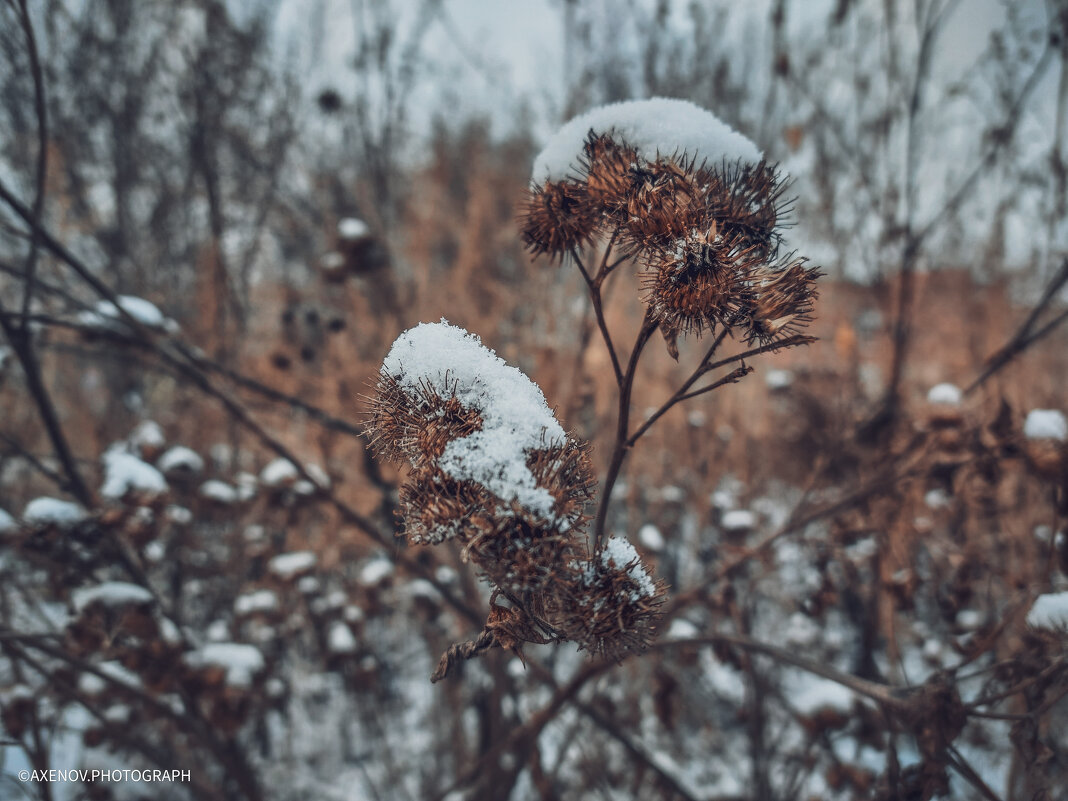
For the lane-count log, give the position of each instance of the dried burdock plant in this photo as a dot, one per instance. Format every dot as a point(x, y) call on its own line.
point(697, 210)
point(492, 469)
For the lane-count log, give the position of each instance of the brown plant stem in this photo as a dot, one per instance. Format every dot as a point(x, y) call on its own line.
point(593, 284)
point(619, 452)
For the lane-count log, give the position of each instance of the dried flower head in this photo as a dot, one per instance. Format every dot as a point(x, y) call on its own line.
point(414, 424)
point(493, 470)
point(558, 217)
point(611, 170)
point(780, 301)
point(435, 507)
point(701, 282)
point(615, 604)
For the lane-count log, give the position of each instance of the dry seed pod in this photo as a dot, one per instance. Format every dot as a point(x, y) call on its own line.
point(700, 283)
point(781, 301)
point(558, 217)
point(614, 604)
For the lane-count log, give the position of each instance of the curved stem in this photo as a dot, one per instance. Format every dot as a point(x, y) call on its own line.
point(593, 283)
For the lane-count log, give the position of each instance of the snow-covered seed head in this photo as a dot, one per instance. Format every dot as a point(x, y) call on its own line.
point(416, 424)
point(566, 472)
point(611, 170)
point(435, 507)
point(781, 301)
point(558, 217)
point(614, 604)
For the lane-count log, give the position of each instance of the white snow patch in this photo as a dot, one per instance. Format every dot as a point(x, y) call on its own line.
point(813, 693)
point(178, 515)
point(660, 126)
point(124, 472)
point(777, 380)
point(651, 538)
point(352, 229)
point(515, 416)
point(738, 520)
point(180, 459)
point(1046, 424)
point(53, 512)
point(1050, 611)
point(944, 395)
point(279, 473)
point(258, 601)
point(937, 498)
point(111, 593)
point(240, 661)
point(681, 629)
point(618, 552)
point(375, 572)
point(148, 434)
point(287, 565)
point(340, 639)
point(106, 315)
point(7, 522)
point(218, 491)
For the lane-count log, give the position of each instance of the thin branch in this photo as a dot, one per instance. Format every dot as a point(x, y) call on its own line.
point(598, 309)
point(42, 151)
point(1025, 335)
point(649, 325)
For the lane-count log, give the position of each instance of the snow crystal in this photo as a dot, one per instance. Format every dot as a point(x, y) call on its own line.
point(660, 126)
point(240, 661)
point(340, 639)
point(180, 459)
point(124, 472)
point(259, 601)
point(944, 395)
point(651, 538)
point(53, 512)
point(7, 522)
point(1046, 424)
point(218, 491)
point(287, 565)
point(738, 520)
point(621, 553)
point(279, 473)
point(515, 416)
point(105, 314)
point(352, 229)
point(1050, 611)
point(110, 593)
